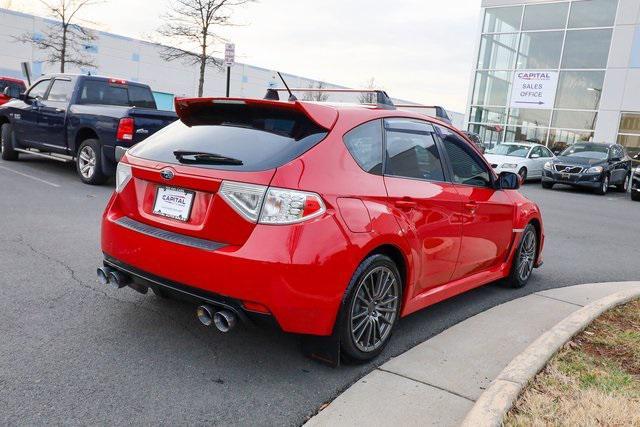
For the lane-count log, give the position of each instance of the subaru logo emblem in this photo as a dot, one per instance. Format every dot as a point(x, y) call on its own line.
point(167, 174)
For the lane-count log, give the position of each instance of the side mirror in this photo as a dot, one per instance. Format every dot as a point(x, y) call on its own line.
point(509, 181)
point(535, 156)
point(5, 92)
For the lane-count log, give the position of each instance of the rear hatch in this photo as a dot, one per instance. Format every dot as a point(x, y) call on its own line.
point(178, 172)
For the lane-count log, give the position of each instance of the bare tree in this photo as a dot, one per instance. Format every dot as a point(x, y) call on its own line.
point(65, 41)
point(369, 97)
point(192, 23)
point(317, 96)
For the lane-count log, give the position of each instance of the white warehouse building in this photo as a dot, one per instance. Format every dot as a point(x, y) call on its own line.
point(140, 61)
point(557, 72)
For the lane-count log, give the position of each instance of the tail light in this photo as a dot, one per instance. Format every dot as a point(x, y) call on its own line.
point(126, 128)
point(123, 175)
point(270, 205)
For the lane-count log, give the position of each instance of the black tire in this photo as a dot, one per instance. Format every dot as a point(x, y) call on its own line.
point(359, 324)
point(6, 136)
point(604, 186)
point(547, 185)
point(89, 163)
point(523, 174)
point(524, 259)
point(624, 187)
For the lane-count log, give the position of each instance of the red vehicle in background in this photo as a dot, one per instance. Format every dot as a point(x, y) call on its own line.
point(334, 221)
point(10, 89)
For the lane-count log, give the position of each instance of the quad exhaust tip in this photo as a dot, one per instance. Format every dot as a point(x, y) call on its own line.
point(113, 278)
point(223, 320)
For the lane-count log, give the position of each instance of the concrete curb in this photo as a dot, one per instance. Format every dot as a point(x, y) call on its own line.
point(499, 397)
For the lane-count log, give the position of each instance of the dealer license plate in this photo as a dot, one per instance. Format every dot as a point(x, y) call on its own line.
point(173, 203)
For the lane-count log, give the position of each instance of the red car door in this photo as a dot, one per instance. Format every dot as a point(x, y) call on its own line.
point(487, 228)
point(427, 207)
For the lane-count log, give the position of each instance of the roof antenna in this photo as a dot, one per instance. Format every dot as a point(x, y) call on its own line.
point(292, 97)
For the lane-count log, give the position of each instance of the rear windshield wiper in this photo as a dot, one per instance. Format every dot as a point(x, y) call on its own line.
point(195, 157)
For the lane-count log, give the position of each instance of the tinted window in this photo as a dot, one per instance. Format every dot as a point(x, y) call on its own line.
point(365, 145)
point(261, 138)
point(14, 88)
point(412, 150)
point(140, 96)
point(39, 89)
point(586, 49)
point(104, 93)
point(60, 91)
point(502, 19)
point(593, 13)
point(545, 16)
point(467, 168)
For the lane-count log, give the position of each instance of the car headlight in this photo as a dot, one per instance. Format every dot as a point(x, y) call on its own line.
point(595, 169)
point(509, 165)
point(548, 166)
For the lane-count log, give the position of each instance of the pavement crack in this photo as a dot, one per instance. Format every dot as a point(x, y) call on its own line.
point(428, 384)
point(74, 276)
point(557, 299)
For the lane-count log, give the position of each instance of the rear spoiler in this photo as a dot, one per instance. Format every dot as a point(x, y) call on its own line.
point(324, 116)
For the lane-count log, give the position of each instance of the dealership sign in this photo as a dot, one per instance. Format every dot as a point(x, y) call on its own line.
point(534, 89)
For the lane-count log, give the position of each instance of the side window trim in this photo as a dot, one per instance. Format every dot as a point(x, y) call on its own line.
point(472, 153)
point(439, 148)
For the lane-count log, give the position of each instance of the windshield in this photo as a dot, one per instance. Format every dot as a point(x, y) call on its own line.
point(511, 150)
point(590, 151)
point(233, 138)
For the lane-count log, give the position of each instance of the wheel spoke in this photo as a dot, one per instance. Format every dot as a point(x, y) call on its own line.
point(389, 301)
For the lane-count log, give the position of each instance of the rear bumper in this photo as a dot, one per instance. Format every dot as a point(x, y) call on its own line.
point(299, 273)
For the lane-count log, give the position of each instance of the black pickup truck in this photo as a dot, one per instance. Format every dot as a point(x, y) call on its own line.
point(81, 119)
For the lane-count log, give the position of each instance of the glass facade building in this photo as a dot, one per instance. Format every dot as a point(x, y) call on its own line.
point(592, 50)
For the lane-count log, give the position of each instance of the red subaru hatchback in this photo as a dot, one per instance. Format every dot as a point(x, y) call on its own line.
point(331, 220)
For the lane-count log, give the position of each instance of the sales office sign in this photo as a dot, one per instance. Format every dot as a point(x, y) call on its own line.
point(534, 89)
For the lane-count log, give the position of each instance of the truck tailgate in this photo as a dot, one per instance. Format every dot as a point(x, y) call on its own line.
point(148, 121)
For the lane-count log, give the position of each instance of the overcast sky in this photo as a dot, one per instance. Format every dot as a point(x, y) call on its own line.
point(419, 50)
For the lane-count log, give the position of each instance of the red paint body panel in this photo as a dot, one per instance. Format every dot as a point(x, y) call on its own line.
point(3, 98)
point(452, 238)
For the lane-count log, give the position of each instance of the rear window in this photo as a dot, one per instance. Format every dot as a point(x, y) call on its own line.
point(259, 138)
point(15, 89)
point(102, 92)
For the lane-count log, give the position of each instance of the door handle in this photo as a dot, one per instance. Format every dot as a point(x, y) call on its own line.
point(406, 204)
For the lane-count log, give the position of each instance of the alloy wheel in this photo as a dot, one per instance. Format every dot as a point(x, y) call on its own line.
point(625, 186)
point(374, 309)
point(87, 162)
point(605, 184)
point(527, 255)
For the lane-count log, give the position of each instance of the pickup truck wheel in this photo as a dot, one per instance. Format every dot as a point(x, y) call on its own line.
point(89, 161)
point(8, 153)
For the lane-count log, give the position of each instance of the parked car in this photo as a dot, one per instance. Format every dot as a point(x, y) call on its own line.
point(287, 211)
point(10, 89)
point(526, 159)
point(475, 138)
point(590, 165)
point(77, 118)
point(635, 185)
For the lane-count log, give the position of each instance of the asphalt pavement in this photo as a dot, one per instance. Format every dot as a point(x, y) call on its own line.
point(74, 352)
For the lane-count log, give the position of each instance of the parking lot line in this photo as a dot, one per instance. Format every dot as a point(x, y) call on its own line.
point(30, 176)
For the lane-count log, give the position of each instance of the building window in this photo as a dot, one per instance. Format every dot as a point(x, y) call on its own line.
point(91, 48)
point(593, 13)
point(586, 49)
point(585, 120)
point(488, 115)
point(524, 134)
point(498, 51)
point(559, 139)
point(635, 49)
point(502, 19)
point(529, 117)
point(492, 88)
point(579, 89)
point(545, 16)
point(629, 134)
point(540, 50)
